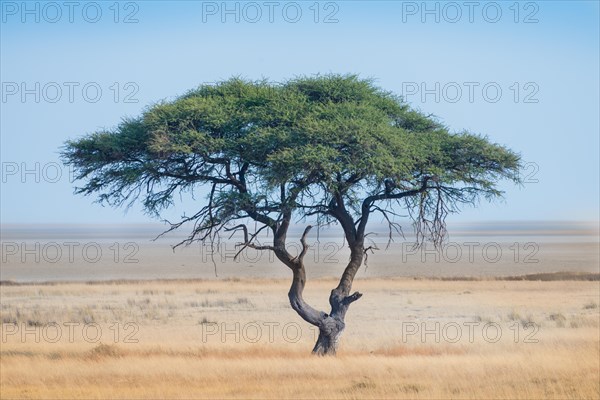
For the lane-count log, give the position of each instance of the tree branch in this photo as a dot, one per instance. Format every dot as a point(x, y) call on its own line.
point(305, 246)
point(368, 202)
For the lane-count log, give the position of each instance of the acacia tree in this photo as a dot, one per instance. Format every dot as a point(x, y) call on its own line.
point(335, 149)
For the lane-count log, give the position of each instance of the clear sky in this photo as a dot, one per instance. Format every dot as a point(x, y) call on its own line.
point(524, 73)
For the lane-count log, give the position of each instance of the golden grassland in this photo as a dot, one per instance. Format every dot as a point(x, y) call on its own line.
point(239, 339)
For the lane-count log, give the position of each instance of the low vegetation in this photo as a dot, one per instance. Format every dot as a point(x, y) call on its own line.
point(200, 339)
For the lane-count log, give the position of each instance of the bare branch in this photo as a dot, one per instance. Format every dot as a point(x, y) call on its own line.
point(368, 202)
point(372, 249)
point(392, 226)
point(304, 244)
point(248, 240)
point(237, 228)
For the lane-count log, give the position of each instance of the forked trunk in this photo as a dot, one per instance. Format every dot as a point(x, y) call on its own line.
point(330, 325)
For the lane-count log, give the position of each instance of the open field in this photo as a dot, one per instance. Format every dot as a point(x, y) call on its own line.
point(139, 321)
point(238, 338)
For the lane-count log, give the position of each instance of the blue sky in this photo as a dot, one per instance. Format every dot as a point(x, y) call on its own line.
point(533, 68)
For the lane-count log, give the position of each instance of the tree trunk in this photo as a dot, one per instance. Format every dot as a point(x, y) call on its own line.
point(329, 335)
point(340, 299)
point(330, 325)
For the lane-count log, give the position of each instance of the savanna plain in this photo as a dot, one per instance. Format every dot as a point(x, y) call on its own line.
point(533, 332)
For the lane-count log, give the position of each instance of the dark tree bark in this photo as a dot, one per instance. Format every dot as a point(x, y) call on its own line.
point(333, 324)
point(330, 325)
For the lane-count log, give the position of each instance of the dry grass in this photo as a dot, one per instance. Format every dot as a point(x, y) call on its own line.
point(170, 348)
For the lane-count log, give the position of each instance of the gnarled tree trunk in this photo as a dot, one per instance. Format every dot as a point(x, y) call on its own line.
point(330, 325)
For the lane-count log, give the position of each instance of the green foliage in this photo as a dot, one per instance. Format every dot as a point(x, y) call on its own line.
point(304, 146)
